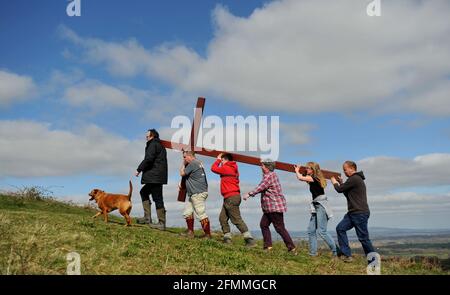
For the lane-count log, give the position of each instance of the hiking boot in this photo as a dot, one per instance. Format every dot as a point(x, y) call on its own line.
point(161, 225)
point(188, 234)
point(206, 228)
point(227, 240)
point(190, 228)
point(250, 243)
point(293, 252)
point(346, 259)
point(268, 249)
point(147, 219)
point(338, 251)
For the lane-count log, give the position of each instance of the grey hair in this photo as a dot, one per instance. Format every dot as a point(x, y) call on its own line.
point(270, 164)
point(190, 153)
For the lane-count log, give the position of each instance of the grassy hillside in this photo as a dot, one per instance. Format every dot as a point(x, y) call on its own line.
point(37, 233)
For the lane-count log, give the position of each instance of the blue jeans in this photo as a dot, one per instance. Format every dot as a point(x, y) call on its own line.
point(359, 222)
point(318, 225)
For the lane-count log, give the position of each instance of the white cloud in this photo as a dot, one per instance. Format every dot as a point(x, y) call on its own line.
point(386, 173)
point(32, 149)
point(435, 101)
point(97, 96)
point(15, 88)
point(130, 58)
point(304, 56)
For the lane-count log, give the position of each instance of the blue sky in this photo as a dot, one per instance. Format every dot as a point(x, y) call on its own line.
point(78, 93)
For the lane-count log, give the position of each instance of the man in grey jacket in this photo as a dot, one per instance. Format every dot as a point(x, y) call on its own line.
point(354, 189)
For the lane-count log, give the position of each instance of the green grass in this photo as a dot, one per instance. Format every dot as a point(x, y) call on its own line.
point(37, 233)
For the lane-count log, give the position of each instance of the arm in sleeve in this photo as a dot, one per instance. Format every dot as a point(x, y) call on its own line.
point(216, 168)
point(189, 168)
point(346, 186)
point(149, 158)
point(262, 186)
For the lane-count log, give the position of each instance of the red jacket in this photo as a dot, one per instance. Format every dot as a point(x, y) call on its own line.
point(229, 177)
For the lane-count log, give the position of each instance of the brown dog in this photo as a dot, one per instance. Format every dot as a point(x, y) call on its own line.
point(109, 202)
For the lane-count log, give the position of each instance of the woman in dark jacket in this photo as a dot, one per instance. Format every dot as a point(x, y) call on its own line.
point(154, 175)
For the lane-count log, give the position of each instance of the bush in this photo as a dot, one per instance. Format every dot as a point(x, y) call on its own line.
point(32, 193)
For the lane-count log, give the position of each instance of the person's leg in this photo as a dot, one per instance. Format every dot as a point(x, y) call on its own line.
point(146, 204)
point(198, 202)
point(188, 214)
point(223, 219)
point(278, 223)
point(267, 237)
point(157, 196)
point(322, 222)
point(341, 230)
point(360, 222)
point(232, 206)
point(312, 236)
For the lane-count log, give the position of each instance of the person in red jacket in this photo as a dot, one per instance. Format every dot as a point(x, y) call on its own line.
point(229, 188)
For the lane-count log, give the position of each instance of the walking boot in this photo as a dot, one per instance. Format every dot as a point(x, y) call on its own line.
point(206, 228)
point(147, 219)
point(190, 228)
point(161, 225)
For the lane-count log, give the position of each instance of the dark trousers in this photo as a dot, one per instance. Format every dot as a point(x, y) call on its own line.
point(230, 210)
point(359, 222)
point(278, 222)
point(156, 190)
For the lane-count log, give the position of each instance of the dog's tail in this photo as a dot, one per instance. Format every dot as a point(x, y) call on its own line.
point(131, 191)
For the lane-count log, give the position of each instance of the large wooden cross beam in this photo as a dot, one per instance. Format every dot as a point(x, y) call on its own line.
point(214, 153)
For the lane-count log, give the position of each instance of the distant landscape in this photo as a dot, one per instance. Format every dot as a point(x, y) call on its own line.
point(395, 241)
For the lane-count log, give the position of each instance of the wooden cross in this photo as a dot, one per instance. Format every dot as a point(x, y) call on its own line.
point(214, 153)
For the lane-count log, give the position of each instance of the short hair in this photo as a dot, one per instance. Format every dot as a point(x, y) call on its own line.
point(153, 133)
point(269, 164)
point(227, 156)
point(351, 164)
point(190, 153)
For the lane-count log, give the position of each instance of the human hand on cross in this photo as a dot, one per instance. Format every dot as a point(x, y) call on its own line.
point(219, 156)
point(246, 196)
point(335, 180)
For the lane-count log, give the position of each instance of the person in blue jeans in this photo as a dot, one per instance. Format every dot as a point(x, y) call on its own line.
point(320, 210)
point(354, 189)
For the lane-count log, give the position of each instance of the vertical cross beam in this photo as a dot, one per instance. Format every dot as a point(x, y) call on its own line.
point(193, 141)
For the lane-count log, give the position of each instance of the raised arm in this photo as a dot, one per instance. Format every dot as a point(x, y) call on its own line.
point(342, 187)
point(217, 168)
point(301, 177)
